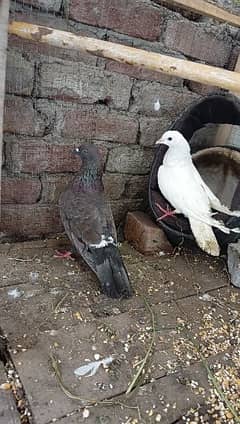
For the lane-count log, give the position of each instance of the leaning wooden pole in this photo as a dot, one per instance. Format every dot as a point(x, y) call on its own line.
point(4, 13)
point(185, 69)
point(207, 9)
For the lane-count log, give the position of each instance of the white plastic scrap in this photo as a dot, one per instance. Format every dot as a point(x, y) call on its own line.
point(91, 368)
point(15, 293)
point(206, 297)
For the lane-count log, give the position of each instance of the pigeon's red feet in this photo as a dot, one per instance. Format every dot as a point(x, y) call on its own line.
point(167, 212)
point(64, 255)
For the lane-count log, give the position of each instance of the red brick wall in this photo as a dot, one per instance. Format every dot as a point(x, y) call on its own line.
point(57, 99)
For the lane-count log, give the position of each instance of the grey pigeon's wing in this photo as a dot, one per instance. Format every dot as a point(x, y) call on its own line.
point(87, 219)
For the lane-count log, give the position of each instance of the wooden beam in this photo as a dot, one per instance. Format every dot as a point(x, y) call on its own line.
point(4, 13)
point(186, 69)
point(225, 132)
point(208, 9)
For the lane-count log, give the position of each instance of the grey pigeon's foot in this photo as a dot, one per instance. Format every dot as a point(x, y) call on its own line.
point(64, 255)
point(166, 212)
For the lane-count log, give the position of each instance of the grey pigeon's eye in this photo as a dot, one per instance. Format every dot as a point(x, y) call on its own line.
point(169, 138)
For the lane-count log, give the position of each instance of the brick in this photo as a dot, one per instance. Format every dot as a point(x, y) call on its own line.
point(127, 160)
point(120, 208)
point(234, 263)
point(30, 221)
point(144, 234)
point(19, 74)
point(21, 118)
point(101, 124)
point(36, 50)
point(41, 51)
point(202, 89)
point(20, 190)
point(36, 157)
point(154, 99)
point(46, 5)
point(137, 187)
point(195, 41)
point(151, 129)
point(142, 74)
point(53, 186)
point(84, 83)
point(114, 185)
point(133, 17)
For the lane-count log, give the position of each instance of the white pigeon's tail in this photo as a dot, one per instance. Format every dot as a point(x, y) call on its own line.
point(205, 237)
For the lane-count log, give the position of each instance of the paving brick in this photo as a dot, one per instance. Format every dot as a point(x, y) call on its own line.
point(144, 234)
point(195, 41)
point(19, 74)
point(101, 124)
point(84, 83)
point(151, 129)
point(133, 17)
point(20, 190)
point(28, 221)
point(21, 118)
point(154, 99)
point(128, 160)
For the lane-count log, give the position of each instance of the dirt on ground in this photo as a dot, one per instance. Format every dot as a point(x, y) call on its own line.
point(170, 354)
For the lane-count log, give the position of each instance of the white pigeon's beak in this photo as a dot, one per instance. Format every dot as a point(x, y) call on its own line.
point(160, 141)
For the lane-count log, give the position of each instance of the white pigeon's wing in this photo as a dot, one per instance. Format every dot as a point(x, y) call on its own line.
point(214, 201)
point(183, 191)
point(205, 237)
point(181, 187)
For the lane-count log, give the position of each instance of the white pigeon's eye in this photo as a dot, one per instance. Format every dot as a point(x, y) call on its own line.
point(169, 138)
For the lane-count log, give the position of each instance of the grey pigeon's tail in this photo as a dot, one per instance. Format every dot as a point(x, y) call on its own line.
point(111, 272)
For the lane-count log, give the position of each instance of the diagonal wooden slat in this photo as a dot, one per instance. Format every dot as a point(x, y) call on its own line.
point(208, 9)
point(186, 69)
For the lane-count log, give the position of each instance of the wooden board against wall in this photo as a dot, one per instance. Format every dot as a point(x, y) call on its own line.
point(4, 13)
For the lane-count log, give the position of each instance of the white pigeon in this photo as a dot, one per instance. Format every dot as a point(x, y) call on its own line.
point(181, 184)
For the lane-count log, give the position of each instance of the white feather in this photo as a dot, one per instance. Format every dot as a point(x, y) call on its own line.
point(91, 368)
point(105, 241)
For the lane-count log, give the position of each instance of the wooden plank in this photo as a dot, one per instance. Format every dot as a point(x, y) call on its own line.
point(208, 9)
point(8, 410)
point(4, 12)
point(185, 69)
point(225, 132)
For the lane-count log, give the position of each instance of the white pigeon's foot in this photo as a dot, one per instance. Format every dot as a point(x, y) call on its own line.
point(166, 212)
point(64, 255)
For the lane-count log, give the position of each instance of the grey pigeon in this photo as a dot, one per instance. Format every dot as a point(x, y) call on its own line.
point(89, 224)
